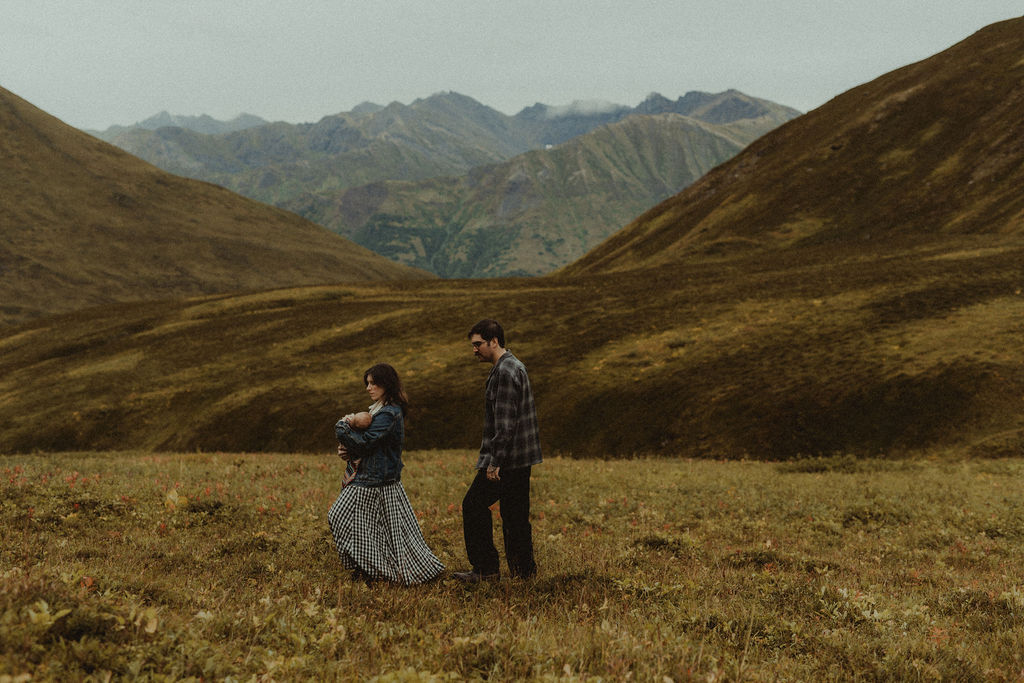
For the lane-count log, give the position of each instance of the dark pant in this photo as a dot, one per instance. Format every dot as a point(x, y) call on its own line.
point(513, 492)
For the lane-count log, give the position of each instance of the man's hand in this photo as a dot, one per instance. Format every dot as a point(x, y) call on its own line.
point(493, 473)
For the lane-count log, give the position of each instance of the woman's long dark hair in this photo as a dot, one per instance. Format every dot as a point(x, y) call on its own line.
point(386, 377)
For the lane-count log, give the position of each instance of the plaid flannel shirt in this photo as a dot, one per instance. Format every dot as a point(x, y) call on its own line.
point(511, 434)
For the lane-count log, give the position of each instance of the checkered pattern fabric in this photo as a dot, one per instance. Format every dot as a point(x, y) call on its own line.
point(375, 531)
point(511, 435)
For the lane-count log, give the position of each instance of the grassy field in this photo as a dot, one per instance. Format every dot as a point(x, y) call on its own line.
point(811, 353)
point(220, 566)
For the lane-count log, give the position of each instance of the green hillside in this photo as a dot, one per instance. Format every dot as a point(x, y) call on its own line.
point(538, 211)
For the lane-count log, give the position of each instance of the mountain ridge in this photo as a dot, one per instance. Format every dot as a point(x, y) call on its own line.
point(335, 169)
point(539, 210)
point(202, 123)
point(445, 134)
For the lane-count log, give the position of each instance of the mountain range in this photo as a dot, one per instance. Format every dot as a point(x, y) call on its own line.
point(85, 223)
point(540, 210)
point(849, 284)
point(469, 216)
point(200, 124)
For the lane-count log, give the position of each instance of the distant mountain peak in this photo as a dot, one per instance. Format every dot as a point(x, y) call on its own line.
point(159, 120)
point(204, 123)
point(655, 98)
point(366, 108)
point(723, 107)
point(448, 95)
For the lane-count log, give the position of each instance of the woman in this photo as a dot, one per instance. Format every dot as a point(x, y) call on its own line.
point(375, 530)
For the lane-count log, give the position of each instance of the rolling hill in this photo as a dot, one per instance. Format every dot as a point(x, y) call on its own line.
point(84, 223)
point(540, 210)
point(929, 151)
point(913, 352)
point(893, 331)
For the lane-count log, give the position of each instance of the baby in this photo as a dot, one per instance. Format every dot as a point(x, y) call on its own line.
point(360, 420)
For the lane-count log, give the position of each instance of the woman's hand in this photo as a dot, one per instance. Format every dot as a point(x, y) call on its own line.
point(343, 453)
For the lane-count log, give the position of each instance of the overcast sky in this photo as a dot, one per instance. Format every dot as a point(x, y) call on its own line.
point(95, 63)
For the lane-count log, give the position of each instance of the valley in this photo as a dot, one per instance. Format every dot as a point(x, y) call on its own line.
point(832, 289)
point(454, 187)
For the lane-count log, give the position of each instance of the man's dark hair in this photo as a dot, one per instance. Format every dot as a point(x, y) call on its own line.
point(489, 329)
point(386, 377)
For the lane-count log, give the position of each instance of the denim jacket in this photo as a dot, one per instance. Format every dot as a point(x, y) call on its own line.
point(379, 447)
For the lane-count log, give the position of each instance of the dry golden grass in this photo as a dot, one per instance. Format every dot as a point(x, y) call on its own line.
point(220, 566)
point(891, 350)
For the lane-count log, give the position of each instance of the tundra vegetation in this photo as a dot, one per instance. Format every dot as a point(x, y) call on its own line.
point(145, 566)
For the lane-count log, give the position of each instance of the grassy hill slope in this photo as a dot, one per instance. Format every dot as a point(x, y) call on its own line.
point(935, 148)
point(85, 223)
point(739, 357)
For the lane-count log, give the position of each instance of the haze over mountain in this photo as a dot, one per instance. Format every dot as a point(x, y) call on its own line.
point(308, 168)
point(84, 223)
point(739, 341)
point(931, 151)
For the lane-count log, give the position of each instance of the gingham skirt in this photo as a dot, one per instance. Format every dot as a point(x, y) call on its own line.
point(376, 532)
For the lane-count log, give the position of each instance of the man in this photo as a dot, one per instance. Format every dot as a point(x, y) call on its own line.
point(510, 448)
